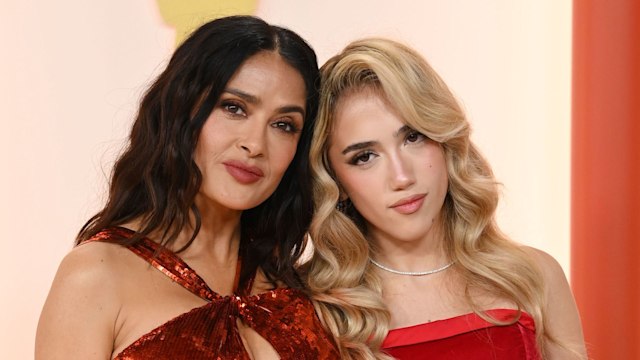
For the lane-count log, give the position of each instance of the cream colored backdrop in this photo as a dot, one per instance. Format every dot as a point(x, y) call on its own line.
point(72, 72)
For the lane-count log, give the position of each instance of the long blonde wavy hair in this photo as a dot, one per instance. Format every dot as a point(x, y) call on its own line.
point(345, 289)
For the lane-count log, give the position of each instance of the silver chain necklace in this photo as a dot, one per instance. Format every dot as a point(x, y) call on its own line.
point(411, 273)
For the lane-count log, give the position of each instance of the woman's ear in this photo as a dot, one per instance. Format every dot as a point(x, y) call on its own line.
point(343, 198)
point(343, 194)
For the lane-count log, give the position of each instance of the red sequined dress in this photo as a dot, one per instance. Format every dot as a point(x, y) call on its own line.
point(466, 337)
point(285, 317)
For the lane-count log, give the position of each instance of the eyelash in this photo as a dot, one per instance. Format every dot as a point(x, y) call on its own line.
point(357, 159)
point(365, 156)
point(290, 126)
point(286, 126)
point(227, 105)
point(420, 137)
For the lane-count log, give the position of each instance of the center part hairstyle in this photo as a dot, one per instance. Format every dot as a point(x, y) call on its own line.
point(345, 288)
point(155, 180)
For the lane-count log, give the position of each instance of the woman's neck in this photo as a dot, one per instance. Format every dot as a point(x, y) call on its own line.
point(218, 237)
point(415, 255)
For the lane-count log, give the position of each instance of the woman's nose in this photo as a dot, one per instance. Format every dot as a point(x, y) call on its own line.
point(252, 140)
point(402, 175)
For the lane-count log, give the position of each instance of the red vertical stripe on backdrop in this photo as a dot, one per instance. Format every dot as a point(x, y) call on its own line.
point(605, 181)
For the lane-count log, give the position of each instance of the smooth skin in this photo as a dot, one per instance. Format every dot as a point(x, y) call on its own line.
point(104, 297)
point(379, 163)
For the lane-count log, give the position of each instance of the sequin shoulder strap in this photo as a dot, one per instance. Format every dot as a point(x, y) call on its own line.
point(160, 258)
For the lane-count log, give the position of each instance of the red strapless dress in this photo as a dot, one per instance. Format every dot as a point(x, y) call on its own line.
point(285, 317)
point(466, 337)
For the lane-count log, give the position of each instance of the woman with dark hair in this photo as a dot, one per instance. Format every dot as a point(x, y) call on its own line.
point(212, 191)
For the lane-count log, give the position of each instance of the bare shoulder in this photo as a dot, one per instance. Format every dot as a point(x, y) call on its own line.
point(107, 254)
point(550, 268)
point(92, 267)
point(561, 313)
point(84, 301)
point(540, 257)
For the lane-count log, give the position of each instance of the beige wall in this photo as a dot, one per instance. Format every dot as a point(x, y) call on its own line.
point(509, 64)
point(72, 71)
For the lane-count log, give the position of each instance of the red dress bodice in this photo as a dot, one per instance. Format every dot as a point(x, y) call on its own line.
point(467, 337)
point(285, 317)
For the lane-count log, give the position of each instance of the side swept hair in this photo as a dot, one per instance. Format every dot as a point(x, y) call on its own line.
point(346, 291)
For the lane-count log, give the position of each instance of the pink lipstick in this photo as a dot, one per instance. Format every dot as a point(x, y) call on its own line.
point(243, 173)
point(409, 205)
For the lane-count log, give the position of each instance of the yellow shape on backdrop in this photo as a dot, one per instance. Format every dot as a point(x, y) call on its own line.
point(187, 15)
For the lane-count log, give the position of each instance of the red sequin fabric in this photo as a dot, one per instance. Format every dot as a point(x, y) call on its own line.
point(285, 317)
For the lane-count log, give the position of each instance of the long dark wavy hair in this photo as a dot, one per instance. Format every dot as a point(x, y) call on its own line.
point(155, 180)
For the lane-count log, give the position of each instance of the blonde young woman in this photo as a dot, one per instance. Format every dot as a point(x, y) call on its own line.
point(404, 221)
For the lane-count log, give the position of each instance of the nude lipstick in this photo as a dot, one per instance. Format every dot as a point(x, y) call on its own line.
point(243, 173)
point(409, 205)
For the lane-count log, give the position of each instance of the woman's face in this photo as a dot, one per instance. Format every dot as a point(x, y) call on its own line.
point(395, 176)
point(250, 138)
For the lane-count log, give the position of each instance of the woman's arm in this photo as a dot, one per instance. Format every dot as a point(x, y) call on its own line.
point(561, 312)
point(77, 321)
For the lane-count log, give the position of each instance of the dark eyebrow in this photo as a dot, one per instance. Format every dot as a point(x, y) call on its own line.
point(255, 100)
point(245, 96)
point(365, 144)
point(403, 130)
point(291, 108)
point(358, 146)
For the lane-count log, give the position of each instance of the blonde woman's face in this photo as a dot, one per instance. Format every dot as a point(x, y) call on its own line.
point(395, 176)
